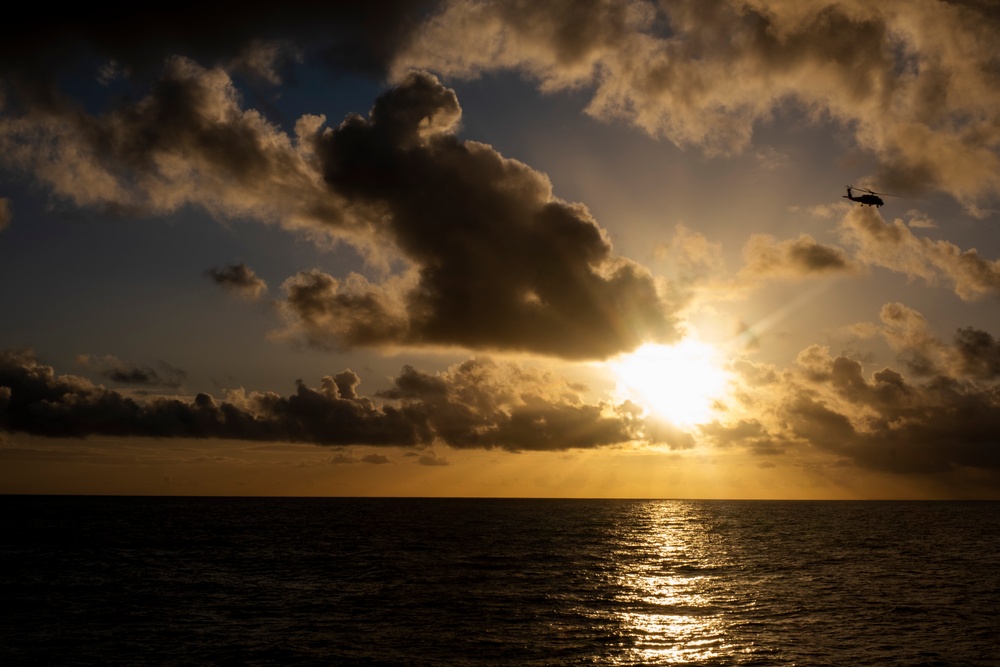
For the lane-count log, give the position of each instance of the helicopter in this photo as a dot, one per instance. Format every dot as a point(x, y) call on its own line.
point(870, 199)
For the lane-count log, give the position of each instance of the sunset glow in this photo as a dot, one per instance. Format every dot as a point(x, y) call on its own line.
point(367, 249)
point(678, 382)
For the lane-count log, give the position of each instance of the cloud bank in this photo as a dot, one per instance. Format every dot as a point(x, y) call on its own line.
point(944, 424)
point(477, 404)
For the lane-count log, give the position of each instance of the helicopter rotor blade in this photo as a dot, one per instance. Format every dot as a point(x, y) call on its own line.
point(872, 192)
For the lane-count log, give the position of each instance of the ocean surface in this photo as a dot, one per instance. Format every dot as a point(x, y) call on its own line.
point(334, 581)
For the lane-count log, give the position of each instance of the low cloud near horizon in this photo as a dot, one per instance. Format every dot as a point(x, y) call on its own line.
point(941, 426)
point(480, 404)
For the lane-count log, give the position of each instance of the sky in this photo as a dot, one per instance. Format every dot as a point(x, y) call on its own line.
point(457, 248)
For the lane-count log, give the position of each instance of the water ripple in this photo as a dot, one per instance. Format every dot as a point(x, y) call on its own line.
point(498, 582)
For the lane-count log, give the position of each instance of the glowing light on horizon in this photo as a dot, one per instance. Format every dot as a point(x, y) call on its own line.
point(679, 382)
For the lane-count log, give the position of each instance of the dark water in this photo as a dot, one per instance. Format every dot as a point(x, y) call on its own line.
point(182, 581)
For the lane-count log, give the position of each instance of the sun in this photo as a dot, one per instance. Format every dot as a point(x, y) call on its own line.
point(679, 383)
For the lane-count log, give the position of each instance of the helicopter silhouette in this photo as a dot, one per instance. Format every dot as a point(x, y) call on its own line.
point(870, 199)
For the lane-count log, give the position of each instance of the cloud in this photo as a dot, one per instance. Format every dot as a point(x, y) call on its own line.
point(4, 213)
point(432, 460)
point(766, 257)
point(914, 82)
point(748, 433)
point(973, 353)
point(477, 404)
point(943, 426)
point(908, 333)
point(238, 279)
point(895, 247)
point(486, 404)
point(123, 372)
point(770, 158)
point(883, 422)
point(332, 313)
point(492, 259)
point(873, 242)
point(187, 142)
point(919, 220)
point(346, 383)
point(343, 458)
point(978, 353)
point(497, 261)
point(347, 36)
point(691, 254)
point(43, 403)
point(265, 60)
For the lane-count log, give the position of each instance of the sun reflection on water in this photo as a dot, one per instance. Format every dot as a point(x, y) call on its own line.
point(672, 599)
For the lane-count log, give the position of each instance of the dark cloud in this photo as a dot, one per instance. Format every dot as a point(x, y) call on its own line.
point(973, 353)
point(484, 404)
point(493, 260)
point(329, 312)
point(748, 433)
point(944, 426)
point(909, 334)
point(978, 352)
point(4, 213)
point(123, 372)
point(42, 403)
point(477, 404)
point(239, 279)
point(359, 37)
point(936, 427)
point(499, 262)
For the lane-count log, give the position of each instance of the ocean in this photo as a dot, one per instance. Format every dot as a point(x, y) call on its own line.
point(394, 581)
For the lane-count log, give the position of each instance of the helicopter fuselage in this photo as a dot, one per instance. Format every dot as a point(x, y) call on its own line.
point(865, 200)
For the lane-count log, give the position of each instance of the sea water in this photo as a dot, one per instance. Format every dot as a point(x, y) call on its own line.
point(352, 581)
